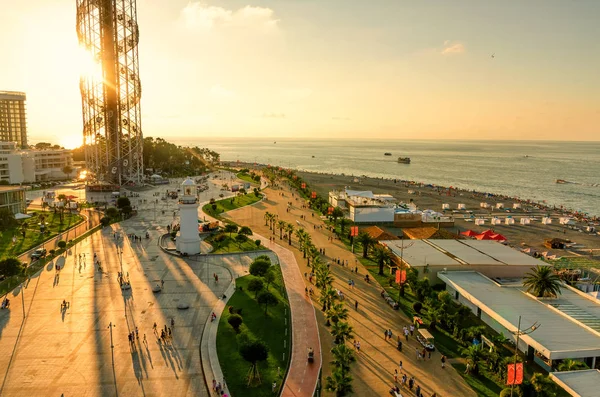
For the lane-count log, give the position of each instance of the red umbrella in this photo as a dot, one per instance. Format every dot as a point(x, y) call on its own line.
point(469, 233)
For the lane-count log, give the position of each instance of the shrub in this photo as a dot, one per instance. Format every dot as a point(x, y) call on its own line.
point(235, 320)
point(259, 267)
point(214, 207)
point(62, 244)
point(517, 392)
point(257, 242)
point(105, 221)
point(255, 285)
point(123, 202)
point(417, 306)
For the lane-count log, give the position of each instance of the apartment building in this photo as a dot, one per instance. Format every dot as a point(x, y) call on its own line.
point(13, 120)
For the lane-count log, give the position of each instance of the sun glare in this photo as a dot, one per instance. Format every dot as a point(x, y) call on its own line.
point(71, 141)
point(86, 64)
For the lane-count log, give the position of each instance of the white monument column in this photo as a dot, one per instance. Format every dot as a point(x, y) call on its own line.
point(188, 239)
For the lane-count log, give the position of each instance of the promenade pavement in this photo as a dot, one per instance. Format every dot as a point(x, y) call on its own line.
point(373, 372)
point(302, 377)
point(72, 352)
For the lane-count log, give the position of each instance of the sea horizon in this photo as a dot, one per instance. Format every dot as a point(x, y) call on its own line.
point(524, 169)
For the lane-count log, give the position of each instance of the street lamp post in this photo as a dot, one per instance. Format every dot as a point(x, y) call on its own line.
point(23, 298)
point(518, 333)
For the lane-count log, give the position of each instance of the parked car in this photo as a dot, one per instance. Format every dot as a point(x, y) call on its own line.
point(38, 253)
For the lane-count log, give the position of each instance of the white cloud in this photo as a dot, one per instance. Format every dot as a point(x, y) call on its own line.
point(221, 92)
point(200, 15)
point(453, 47)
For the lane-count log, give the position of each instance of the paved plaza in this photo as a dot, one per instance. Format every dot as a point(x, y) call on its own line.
point(68, 352)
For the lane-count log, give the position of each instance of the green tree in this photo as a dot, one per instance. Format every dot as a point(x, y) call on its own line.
point(542, 282)
point(259, 267)
point(268, 299)
point(340, 382)
point(336, 312)
point(336, 213)
point(254, 351)
point(343, 356)
point(231, 228)
point(123, 202)
point(112, 212)
point(105, 221)
point(255, 285)
point(382, 256)
point(341, 331)
point(10, 267)
point(7, 220)
point(127, 210)
point(366, 241)
point(62, 244)
point(474, 356)
point(422, 289)
point(245, 230)
point(543, 385)
point(235, 320)
point(269, 277)
point(289, 229)
point(281, 226)
point(328, 297)
point(241, 239)
point(67, 170)
point(571, 365)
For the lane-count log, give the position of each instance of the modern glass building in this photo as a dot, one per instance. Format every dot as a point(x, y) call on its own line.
point(13, 198)
point(13, 121)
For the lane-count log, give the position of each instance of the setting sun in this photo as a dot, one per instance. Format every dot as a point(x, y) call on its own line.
point(71, 141)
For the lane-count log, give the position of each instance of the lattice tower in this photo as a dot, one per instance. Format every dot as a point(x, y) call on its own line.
point(112, 128)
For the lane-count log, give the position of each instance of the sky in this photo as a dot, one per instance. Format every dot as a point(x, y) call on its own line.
point(388, 69)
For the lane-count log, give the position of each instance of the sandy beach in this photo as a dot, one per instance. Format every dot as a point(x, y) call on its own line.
point(432, 197)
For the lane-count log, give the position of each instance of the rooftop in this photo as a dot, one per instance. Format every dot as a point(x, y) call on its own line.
point(378, 233)
point(10, 188)
point(578, 383)
point(452, 252)
point(559, 335)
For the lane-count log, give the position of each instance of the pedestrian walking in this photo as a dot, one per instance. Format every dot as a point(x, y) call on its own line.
point(400, 365)
point(358, 346)
point(154, 327)
point(390, 333)
point(395, 376)
point(443, 360)
point(137, 335)
point(355, 305)
point(418, 353)
point(162, 283)
point(412, 329)
point(385, 334)
point(145, 341)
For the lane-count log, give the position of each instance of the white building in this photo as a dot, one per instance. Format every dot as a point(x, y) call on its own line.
point(364, 206)
point(570, 324)
point(29, 166)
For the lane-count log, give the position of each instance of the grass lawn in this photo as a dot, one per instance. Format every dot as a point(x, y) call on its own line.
point(246, 177)
point(230, 245)
point(33, 236)
point(231, 203)
point(272, 329)
point(482, 384)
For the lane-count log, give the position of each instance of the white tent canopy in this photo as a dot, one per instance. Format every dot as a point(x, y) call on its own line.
point(19, 216)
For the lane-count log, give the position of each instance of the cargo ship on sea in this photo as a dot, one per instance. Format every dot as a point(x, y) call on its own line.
point(404, 160)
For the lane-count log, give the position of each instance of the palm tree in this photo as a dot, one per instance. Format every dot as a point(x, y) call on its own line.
point(342, 331)
point(267, 217)
point(289, 229)
point(366, 241)
point(343, 356)
point(339, 382)
point(543, 385)
point(542, 282)
point(571, 365)
point(474, 356)
point(281, 225)
point(382, 256)
point(324, 277)
point(313, 255)
point(328, 297)
point(336, 312)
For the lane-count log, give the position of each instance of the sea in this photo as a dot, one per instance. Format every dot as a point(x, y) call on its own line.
point(525, 169)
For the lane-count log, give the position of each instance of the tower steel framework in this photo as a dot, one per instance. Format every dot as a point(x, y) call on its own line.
point(112, 128)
